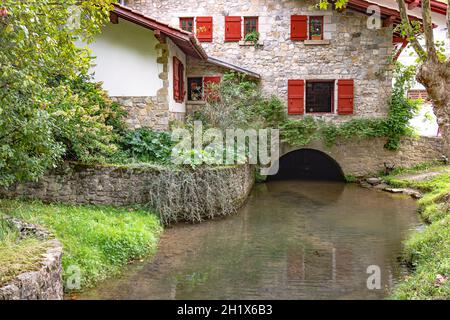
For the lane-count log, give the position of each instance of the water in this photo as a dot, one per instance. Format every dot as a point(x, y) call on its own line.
point(292, 240)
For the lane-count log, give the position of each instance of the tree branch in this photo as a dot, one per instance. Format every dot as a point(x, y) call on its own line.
point(448, 19)
point(428, 30)
point(409, 30)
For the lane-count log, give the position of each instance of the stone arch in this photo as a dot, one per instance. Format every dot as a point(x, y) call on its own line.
point(308, 164)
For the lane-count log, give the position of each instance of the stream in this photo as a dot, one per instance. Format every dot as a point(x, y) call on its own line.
point(291, 240)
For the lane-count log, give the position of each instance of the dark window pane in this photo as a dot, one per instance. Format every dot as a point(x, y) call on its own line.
point(315, 27)
point(250, 24)
point(319, 96)
point(195, 90)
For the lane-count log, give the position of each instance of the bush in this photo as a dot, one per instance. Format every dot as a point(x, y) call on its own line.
point(146, 145)
point(42, 114)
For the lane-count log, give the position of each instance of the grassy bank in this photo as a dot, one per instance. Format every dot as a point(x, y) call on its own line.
point(17, 255)
point(428, 251)
point(98, 240)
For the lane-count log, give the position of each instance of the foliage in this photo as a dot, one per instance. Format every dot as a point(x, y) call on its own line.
point(252, 37)
point(428, 252)
point(41, 111)
point(98, 240)
point(17, 254)
point(147, 145)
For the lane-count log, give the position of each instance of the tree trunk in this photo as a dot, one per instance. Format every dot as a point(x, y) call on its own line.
point(435, 77)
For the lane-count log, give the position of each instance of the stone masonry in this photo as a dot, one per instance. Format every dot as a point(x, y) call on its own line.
point(43, 283)
point(350, 49)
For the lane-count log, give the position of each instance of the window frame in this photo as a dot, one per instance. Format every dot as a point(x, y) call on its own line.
point(310, 26)
point(332, 98)
point(203, 85)
point(192, 19)
point(189, 92)
point(250, 18)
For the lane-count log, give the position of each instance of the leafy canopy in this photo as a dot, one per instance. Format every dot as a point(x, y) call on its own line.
point(43, 112)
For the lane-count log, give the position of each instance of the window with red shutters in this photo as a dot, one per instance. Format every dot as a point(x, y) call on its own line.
point(204, 29)
point(178, 80)
point(187, 24)
point(299, 27)
point(345, 96)
point(296, 96)
point(232, 28)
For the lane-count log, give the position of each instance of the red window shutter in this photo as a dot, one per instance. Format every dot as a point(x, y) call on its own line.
point(176, 79)
point(232, 28)
point(181, 81)
point(207, 81)
point(299, 27)
point(204, 29)
point(296, 96)
point(345, 96)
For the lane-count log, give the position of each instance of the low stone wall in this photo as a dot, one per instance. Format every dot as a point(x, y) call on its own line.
point(160, 188)
point(44, 283)
point(362, 157)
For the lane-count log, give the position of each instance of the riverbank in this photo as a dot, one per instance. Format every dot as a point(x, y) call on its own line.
point(98, 241)
point(427, 252)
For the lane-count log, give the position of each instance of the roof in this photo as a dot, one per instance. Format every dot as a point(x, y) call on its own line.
point(186, 41)
point(228, 65)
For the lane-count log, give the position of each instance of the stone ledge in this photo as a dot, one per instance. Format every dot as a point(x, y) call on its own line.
point(317, 42)
point(250, 43)
point(44, 283)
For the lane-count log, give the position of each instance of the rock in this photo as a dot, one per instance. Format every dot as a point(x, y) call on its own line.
point(393, 190)
point(381, 186)
point(373, 181)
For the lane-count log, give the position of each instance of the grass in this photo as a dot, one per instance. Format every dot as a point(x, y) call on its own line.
point(428, 252)
point(17, 256)
point(97, 240)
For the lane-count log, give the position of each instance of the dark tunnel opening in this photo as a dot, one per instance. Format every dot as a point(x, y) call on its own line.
point(308, 164)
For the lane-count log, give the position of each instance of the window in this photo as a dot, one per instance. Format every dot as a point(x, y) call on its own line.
point(187, 24)
point(178, 80)
point(195, 89)
point(316, 28)
point(198, 87)
point(250, 25)
point(319, 96)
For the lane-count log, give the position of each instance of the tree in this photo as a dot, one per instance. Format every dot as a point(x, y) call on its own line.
point(433, 71)
point(43, 111)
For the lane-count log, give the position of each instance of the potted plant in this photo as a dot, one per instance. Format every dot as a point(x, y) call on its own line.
point(252, 37)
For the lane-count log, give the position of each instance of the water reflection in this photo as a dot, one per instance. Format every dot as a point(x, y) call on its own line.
point(292, 240)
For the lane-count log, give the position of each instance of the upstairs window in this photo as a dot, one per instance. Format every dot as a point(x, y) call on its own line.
point(316, 28)
point(187, 24)
point(250, 25)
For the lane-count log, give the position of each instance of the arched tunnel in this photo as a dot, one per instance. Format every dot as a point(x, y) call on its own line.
point(307, 164)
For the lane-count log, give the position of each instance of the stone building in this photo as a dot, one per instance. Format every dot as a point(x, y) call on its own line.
point(330, 64)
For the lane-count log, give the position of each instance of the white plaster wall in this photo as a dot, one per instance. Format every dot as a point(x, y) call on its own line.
point(175, 51)
point(126, 60)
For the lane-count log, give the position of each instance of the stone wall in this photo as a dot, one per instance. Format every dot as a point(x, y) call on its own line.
point(362, 157)
point(156, 187)
point(44, 283)
point(352, 52)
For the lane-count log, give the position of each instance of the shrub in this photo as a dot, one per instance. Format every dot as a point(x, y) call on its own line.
point(41, 113)
point(147, 145)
